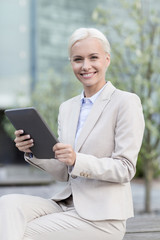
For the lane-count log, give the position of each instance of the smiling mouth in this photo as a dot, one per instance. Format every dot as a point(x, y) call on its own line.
point(87, 75)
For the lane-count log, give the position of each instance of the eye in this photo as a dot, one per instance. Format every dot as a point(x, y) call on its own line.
point(94, 57)
point(77, 59)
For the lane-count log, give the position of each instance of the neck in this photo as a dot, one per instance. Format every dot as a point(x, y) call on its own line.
point(90, 91)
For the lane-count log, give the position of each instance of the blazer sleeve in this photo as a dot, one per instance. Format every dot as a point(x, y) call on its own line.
point(57, 169)
point(120, 166)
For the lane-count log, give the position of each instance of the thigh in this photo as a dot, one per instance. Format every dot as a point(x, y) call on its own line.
point(70, 226)
point(30, 207)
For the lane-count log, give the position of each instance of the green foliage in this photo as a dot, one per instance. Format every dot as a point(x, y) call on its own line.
point(8, 127)
point(47, 97)
point(135, 67)
point(139, 168)
point(51, 92)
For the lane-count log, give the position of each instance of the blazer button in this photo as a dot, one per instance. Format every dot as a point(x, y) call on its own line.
point(73, 176)
point(87, 175)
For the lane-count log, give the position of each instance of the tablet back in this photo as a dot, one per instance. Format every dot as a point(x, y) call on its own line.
point(29, 120)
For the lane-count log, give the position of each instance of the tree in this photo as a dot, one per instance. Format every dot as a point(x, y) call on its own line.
point(51, 92)
point(135, 44)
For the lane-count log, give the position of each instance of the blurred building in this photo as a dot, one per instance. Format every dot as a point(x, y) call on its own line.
point(15, 66)
point(14, 53)
point(56, 20)
point(33, 40)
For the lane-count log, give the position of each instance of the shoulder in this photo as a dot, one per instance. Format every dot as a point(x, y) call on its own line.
point(70, 102)
point(126, 103)
point(125, 97)
point(119, 96)
point(123, 101)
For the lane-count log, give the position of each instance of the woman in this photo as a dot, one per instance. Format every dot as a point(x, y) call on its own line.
point(100, 133)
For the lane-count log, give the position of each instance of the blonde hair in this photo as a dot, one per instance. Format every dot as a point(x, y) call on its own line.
point(82, 33)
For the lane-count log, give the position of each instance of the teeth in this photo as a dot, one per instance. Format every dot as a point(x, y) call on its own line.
point(88, 75)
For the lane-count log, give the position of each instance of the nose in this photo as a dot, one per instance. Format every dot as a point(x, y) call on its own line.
point(86, 65)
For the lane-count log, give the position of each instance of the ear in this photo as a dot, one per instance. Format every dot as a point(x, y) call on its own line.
point(107, 60)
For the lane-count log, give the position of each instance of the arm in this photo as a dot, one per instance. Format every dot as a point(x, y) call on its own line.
point(120, 165)
point(56, 168)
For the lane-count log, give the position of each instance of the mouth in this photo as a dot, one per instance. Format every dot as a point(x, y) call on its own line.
point(87, 75)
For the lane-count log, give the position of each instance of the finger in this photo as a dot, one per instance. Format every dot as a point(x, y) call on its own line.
point(24, 143)
point(26, 148)
point(22, 138)
point(67, 156)
point(67, 160)
point(63, 151)
point(62, 156)
point(59, 146)
point(18, 132)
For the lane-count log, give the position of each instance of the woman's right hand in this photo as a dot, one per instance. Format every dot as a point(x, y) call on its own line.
point(23, 142)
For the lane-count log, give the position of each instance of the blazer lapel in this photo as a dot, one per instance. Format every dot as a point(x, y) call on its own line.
point(74, 116)
point(95, 113)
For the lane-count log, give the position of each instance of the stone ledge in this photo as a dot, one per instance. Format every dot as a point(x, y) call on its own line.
point(23, 175)
point(143, 227)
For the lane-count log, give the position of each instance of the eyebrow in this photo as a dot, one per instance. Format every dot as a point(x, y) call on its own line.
point(81, 56)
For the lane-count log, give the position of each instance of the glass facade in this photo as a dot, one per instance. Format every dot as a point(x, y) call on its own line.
point(14, 53)
point(33, 41)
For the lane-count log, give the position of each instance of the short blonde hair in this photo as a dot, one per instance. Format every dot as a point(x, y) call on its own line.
point(82, 33)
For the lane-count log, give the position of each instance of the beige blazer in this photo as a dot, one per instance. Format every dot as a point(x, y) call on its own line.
point(107, 151)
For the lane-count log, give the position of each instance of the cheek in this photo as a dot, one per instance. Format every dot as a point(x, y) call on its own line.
point(101, 66)
point(74, 68)
point(104, 65)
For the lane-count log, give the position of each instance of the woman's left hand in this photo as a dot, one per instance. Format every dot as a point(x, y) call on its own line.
point(65, 153)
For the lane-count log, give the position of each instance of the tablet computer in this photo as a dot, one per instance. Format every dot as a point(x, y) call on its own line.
point(29, 120)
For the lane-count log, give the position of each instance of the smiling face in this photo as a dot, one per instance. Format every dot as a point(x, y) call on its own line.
point(89, 63)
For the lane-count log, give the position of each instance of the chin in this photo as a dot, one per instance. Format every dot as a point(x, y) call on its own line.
point(90, 84)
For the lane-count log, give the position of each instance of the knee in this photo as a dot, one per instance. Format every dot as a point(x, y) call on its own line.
point(9, 200)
